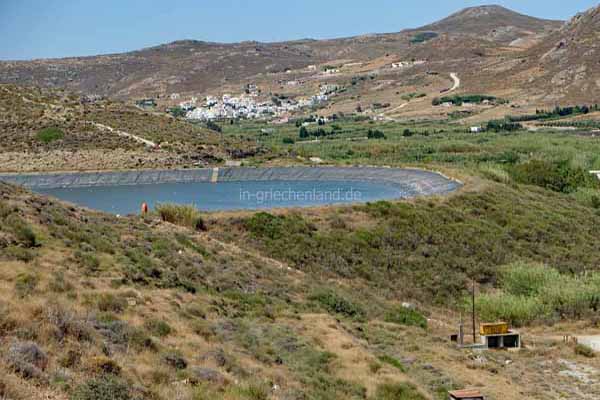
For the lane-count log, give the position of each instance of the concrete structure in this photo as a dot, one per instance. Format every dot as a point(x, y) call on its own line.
point(467, 394)
point(496, 335)
point(510, 340)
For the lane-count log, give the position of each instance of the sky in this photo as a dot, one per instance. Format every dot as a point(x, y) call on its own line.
point(51, 28)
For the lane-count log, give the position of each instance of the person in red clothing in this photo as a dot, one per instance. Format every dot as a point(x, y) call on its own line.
point(144, 208)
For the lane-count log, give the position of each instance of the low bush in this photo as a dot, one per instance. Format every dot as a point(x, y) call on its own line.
point(422, 37)
point(49, 135)
point(88, 261)
point(406, 316)
point(20, 253)
point(175, 359)
point(110, 302)
point(397, 391)
point(28, 359)
point(559, 176)
point(375, 134)
point(337, 304)
point(183, 215)
point(103, 388)
point(584, 350)
point(158, 327)
point(21, 229)
point(589, 197)
point(25, 284)
point(254, 391)
point(387, 359)
point(59, 284)
point(103, 366)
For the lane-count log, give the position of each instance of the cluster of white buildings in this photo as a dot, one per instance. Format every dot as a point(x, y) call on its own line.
point(405, 64)
point(247, 106)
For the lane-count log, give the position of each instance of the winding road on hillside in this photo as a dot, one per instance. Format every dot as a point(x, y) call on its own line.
point(456, 80)
point(455, 86)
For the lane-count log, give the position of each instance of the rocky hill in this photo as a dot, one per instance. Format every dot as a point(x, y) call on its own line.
point(563, 67)
point(190, 66)
point(494, 23)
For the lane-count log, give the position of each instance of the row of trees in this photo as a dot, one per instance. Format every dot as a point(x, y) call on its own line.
point(458, 100)
point(557, 112)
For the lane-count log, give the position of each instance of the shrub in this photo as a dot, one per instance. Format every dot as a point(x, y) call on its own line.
point(183, 215)
point(337, 304)
point(103, 388)
point(271, 226)
point(28, 359)
point(20, 253)
point(422, 37)
point(254, 391)
point(25, 284)
point(288, 140)
point(175, 360)
point(392, 361)
point(103, 366)
point(158, 327)
point(375, 134)
point(59, 284)
point(588, 197)
point(109, 302)
point(22, 231)
point(86, 260)
point(558, 176)
point(503, 126)
point(397, 391)
point(406, 316)
point(584, 350)
point(213, 126)
point(49, 135)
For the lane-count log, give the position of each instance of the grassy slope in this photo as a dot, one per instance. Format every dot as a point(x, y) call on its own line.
point(152, 303)
point(430, 249)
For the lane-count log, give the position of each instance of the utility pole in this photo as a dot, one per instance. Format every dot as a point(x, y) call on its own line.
point(473, 293)
point(461, 331)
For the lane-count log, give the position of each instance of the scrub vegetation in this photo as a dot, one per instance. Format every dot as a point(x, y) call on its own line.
point(184, 215)
point(348, 302)
point(529, 293)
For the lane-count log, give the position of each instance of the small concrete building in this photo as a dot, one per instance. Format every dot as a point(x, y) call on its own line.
point(468, 394)
point(498, 336)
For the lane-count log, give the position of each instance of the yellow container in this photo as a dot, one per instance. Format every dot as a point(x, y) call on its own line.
point(496, 328)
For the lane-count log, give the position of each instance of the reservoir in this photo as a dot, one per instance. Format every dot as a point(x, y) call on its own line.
point(226, 195)
point(213, 189)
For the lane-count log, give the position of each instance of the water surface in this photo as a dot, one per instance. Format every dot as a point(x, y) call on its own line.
point(127, 199)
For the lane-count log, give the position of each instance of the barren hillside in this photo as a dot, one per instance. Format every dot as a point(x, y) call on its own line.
point(190, 66)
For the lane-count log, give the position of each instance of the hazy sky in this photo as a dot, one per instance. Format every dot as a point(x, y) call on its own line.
point(52, 28)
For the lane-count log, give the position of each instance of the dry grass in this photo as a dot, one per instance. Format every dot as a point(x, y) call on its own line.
point(184, 215)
